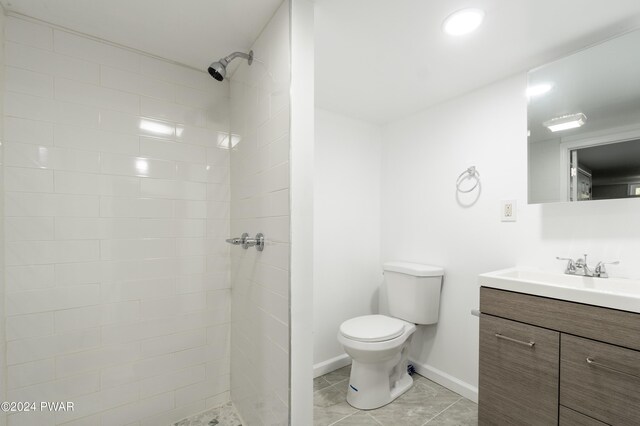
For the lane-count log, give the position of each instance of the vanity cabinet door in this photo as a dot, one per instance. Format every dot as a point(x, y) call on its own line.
point(600, 380)
point(519, 365)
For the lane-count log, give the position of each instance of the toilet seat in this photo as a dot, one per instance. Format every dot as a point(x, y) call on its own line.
point(372, 328)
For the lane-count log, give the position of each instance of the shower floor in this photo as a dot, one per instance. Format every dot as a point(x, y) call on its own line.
point(426, 403)
point(225, 415)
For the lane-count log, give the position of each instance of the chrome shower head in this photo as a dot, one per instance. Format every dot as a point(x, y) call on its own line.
point(218, 70)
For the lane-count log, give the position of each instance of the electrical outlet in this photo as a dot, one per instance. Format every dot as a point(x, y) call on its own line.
point(508, 211)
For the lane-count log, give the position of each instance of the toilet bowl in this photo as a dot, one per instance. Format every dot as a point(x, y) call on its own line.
point(379, 344)
point(379, 347)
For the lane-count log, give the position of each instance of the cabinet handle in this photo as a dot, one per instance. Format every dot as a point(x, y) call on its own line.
point(520, 342)
point(593, 363)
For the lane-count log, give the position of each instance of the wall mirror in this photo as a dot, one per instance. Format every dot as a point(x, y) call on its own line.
point(584, 124)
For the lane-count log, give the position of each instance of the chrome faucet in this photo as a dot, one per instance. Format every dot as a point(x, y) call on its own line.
point(580, 267)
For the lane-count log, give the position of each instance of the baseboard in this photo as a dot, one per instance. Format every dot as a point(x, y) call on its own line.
point(330, 365)
point(446, 380)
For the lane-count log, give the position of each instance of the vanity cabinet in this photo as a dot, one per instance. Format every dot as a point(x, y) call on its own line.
point(548, 362)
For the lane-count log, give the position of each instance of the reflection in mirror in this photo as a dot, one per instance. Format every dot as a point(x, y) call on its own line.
point(584, 124)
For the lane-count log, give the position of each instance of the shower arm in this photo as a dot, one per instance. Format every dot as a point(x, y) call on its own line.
point(231, 57)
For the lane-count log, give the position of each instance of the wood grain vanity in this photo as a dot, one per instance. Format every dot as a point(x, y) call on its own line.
point(546, 361)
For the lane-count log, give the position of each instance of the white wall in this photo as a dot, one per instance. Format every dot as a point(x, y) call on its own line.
point(3, 342)
point(302, 95)
point(422, 221)
point(347, 270)
point(117, 284)
point(260, 203)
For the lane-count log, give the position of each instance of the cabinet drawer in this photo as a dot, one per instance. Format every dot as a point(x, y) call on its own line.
point(518, 382)
point(600, 380)
point(569, 417)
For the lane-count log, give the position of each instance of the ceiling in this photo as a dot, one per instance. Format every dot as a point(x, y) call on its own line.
point(381, 60)
point(193, 32)
point(378, 60)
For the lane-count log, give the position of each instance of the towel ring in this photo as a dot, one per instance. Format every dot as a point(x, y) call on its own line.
point(470, 173)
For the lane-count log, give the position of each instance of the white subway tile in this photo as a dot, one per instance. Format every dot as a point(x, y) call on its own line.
point(29, 325)
point(95, 140)
point(31, 107)
point(137, 166)
point(136, 207)
point(136, 83)
point(30, 277)
point(68, 274)
point(29, 33)
point(137, 249)
point(187, 209)
point(77, 318)
point(25, 204)
point(174, 380)
point(96, 359)
point(30, 373)
point(163, 188)
point(51, 63)
point(95, 51)
point(164, 110)
point(167, 228)
point(28, 131)
point(89, 94)
point(28, 180)
point(29, 82)
point(95, 184)
point(28, 228)
point(173, 73)
point(172, 306)
point(51, 299)
point(198, 135)
point(25, 350)
point(61, 389)
point(173, 151)
point(43, 157)
point(43, 252)
point(173, 343)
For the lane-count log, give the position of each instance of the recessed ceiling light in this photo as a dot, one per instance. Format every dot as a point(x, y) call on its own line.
point(463, 21)
point(565, 122)
point(538, 89)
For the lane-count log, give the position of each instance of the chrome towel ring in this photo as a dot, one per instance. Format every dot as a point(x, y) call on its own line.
point(470, 173)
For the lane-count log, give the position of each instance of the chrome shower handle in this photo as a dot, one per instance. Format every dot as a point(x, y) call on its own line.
point(258, 242)
point(246, 242)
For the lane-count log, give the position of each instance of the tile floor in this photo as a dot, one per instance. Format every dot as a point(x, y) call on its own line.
point(225, 415)
point(426, 403)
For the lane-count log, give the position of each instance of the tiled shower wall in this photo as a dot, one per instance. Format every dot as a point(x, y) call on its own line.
point(117, 206)
point(260, 203)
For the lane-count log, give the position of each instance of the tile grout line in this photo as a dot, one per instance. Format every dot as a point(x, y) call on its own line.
point(339, 420)
point(449, 406)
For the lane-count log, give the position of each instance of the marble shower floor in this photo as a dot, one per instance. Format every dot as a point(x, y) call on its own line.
point(225, 415)
point(426, 403)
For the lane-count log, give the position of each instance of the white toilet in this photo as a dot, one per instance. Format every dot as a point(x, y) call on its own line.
point(379, 344)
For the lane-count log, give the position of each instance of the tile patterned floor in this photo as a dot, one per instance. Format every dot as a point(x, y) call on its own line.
point(426, 403)
point(225, 415)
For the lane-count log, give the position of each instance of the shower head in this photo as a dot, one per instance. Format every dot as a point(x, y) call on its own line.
point(218, 70)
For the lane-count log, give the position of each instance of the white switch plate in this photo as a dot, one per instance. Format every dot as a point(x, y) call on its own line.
point(508, 210)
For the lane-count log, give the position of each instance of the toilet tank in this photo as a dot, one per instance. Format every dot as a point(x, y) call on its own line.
point(413, 291)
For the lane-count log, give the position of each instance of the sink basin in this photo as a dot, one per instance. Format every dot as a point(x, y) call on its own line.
point(613, 293)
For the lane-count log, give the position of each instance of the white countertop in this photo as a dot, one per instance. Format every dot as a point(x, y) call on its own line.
point(616, 293)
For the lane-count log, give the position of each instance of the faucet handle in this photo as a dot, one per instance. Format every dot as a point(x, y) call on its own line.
point(571, 265)
point(600, 270)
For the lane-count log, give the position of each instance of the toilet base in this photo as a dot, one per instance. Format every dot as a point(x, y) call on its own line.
point(374, 384)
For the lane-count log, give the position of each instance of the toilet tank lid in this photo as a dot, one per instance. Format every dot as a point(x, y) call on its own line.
point(415, 269)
